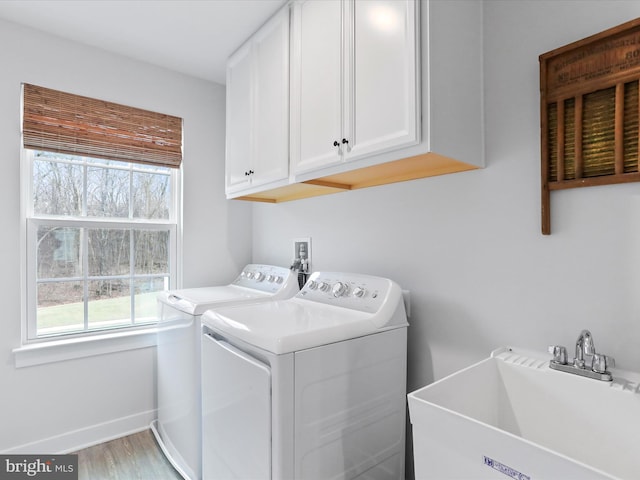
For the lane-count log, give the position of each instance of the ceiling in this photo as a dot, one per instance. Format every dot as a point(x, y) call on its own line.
point(194, 37)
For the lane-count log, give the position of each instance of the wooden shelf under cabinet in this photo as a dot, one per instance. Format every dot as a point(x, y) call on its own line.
point(412, 168)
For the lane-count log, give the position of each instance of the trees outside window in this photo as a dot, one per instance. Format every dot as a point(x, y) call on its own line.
point(101, 242)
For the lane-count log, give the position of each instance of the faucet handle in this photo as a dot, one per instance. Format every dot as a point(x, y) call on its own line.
point(559, 354)
point(600, 363)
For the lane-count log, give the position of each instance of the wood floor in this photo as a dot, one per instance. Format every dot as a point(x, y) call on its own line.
point(133, 457)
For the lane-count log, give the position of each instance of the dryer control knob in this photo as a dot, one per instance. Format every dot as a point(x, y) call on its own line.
point(339, 289)
point(358, 292)
point(323, 286)
point(312, 285)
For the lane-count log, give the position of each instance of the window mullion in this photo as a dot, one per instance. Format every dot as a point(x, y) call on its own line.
point(132, 261)
point(85, 275)
point(83, 209)
point(130, 193)
point(85, 246)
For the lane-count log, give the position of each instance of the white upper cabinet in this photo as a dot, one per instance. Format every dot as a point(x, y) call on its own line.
point(238, 128)
point(381, 91)
point(354, 86)
point(257, 134)
point(316, 83)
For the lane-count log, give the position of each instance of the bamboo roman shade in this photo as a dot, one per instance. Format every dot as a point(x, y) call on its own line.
point(62, 122)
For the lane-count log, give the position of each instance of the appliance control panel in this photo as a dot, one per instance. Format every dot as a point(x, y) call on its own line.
point(268, 278)
point(347, 290)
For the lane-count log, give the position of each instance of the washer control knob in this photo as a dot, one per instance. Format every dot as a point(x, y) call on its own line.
point(258, 276)
point(312, 285)
point(339, 289)
point(279, 279)
point(358, 292)
point(271, 278)
point(323, 286)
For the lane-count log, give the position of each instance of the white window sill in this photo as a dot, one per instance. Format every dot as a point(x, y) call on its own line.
point(80, 347)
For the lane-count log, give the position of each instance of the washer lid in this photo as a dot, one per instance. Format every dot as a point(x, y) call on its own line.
point(308, 321)
point(256, 282)
point(195, 301)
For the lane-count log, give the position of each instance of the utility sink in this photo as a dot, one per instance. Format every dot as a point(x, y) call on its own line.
point(511, 416)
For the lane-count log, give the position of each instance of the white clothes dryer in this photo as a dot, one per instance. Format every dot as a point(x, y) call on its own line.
point(178, 425)
point(313, 387)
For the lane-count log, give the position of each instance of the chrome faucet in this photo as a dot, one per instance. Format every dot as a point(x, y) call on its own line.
point(584, 348)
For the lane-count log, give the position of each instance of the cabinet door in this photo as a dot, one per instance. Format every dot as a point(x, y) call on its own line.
point(381, 103)
point(271, 108)
point(316, 84)
point(238, 122)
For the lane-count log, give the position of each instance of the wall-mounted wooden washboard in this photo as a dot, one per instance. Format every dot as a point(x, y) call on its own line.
point(589, 106)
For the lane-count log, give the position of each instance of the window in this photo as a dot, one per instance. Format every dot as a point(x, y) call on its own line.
point(101, 235)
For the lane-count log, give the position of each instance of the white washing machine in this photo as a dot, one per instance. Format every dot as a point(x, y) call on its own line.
point(313, 387)
point(178, 426)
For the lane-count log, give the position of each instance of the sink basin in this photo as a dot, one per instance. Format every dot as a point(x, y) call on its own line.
point(512, 415)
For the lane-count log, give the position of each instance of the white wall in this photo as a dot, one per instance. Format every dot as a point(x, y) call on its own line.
point(468, 246)
point(61, 404)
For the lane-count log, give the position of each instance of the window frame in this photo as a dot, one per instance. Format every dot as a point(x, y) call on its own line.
point(31, 222)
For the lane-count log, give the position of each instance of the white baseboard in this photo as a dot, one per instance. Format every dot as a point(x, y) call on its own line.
point(86, 437)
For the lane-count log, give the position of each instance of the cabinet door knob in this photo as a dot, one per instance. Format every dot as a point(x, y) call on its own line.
point(344, 140)
point(336, 144)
